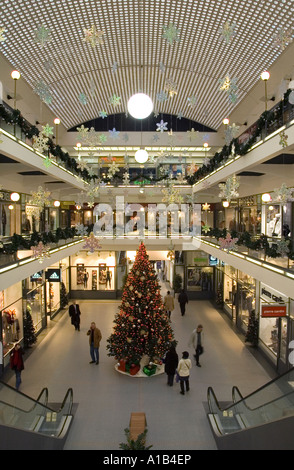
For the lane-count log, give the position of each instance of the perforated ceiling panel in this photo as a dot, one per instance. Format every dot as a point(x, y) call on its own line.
point(77, 80)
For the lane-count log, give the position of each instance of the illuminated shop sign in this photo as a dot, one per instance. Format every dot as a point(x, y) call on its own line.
point(53, 275)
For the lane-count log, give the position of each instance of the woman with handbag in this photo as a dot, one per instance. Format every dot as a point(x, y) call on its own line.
point(183, 370)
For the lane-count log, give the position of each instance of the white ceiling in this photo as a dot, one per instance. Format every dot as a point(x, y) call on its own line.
point(133, 38)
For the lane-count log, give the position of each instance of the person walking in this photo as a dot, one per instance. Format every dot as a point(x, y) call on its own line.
point(16, 363)
point(75, 314)
point(169, 304)
point(196, 340)
point(171, 363)
point(183, 300)
point(95, 337)
point(183, 370)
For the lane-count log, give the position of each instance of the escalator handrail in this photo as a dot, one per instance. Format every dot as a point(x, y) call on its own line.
point(69, 392)
point(210, 392)
point(263, 404)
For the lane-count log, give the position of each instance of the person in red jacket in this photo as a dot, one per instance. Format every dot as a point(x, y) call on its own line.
point(16, 363)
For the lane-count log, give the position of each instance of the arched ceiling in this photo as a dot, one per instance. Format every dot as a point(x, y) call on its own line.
point(77, 80)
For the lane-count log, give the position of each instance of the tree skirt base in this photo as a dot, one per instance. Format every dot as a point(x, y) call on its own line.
point(140, 373)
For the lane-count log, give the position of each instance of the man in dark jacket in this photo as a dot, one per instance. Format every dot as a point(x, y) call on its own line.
point(75, 313)
point(171, 364)
point(183, 300)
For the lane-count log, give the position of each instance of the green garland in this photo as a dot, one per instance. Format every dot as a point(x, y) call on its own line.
point(252, 242)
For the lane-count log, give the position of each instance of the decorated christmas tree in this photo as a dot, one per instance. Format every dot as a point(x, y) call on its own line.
point(63, 296)
point(252, 331)
point(29, 332)
point(142, 329)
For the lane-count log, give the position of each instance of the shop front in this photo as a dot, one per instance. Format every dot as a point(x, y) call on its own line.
point(199, 275)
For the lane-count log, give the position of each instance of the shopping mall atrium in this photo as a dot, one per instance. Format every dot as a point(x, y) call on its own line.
point(146, 148)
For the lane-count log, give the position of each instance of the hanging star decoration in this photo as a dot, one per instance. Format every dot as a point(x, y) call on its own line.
point(171, 254)
point(126, 178)
point(81, 230)
point(171, 33)
point(283, 139)
point(162, 96)
point(228, 190)
point(43, 91)
point(161, 126)
point(180, 115)
point(2, 31)
point(93, 36)
point(47, 130)
point(91, 243)
point(47, 162)
point(82, 165)
point(114, 134)
point(40, 143)
point(113, 169)
point(282, 38)
point(114, 100)
point(206, 207)
point(40, 252)
point(102, 114)
point(170, 87)
point(230, 87)
point(228, 243)
point(83, 131)
point(40, 197)
point(283, 247)
point(283, 194)
point(42, 35)
point(82, 98)
point(192, 134)
point(228, 31)
point(192, 101)
point(192, 169)
point(231, 133)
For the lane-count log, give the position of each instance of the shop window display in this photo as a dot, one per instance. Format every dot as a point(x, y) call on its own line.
point(34, 299)
point(93, 271)
point(246, 297)
point(11, 316)
point(199, 278)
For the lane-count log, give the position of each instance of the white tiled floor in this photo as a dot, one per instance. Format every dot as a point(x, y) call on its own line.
point(106, 398)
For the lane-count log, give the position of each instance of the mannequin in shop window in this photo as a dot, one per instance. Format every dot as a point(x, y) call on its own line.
point(108, 278)
point(86, 278)
point(274, 226)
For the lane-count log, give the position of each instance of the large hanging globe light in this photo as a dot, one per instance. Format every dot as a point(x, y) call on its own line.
point(140, 106)
point(141, 156)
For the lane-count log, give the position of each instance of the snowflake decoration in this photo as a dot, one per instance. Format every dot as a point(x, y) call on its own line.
point(229, 188)
point(230, 87)
point(81, 230)
point(192, 100)
point(114, 100)
point(93, 36)
point(283, 247)
point(282, 38)
point(228, 243)
point(2, 31)
point(114, 134)
point(170, 87)
point(43, 91)
point(228, 31)
point(40, 197)
point(283, 194)
point(191, 169)
point(126, 178)
point(162, 96)
point(47, 162)
point(102, 138)
point(205, 229)
point(82, 165)
point(283, 139)
point(48, 65)
point(161, 126)
point(171, 33)
point(40, 252)
point(155, 138)
point(83, 131)
point(91, 243)
point(42, 35)
point(82, 98)
point(40, 143)
point(114, 67)
point(113, 169)
point(206, 207)
point(180, 115)
point(231, 132)
point(172, 195)
point(47, 131)
point(192, 134)
point(102, 114)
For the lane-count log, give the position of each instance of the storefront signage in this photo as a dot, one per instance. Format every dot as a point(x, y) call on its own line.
point(53, 275)
point(273, 311)
point(273, 295)
point(37, 276)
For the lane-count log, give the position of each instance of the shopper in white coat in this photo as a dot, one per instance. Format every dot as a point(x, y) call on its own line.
point(183, 371)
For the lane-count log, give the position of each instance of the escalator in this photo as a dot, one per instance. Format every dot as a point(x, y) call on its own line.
point(29, 424)
point(263, 420)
